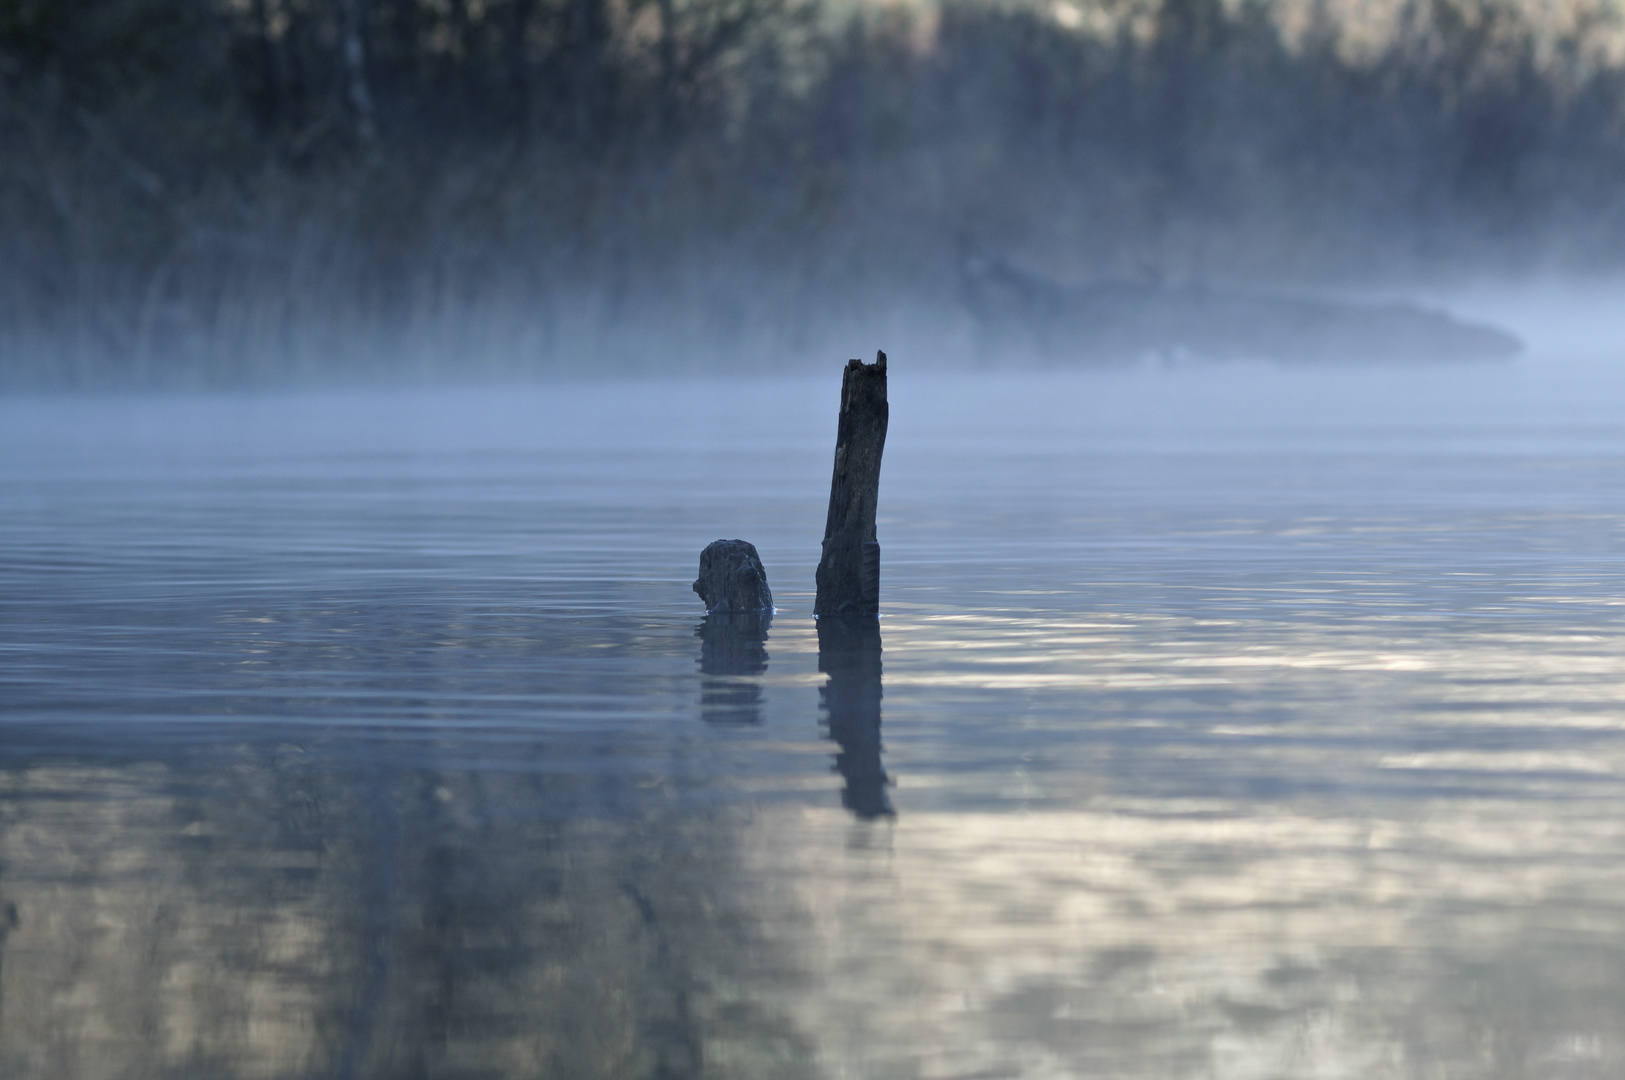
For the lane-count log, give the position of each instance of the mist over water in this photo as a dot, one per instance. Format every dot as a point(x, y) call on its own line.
point(1223, 720)
point(271, 193)
point(1245, 701)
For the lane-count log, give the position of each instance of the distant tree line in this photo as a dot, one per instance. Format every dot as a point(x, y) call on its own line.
point(246, 190)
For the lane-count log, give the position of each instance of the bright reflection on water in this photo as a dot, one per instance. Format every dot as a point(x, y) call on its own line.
point(1237, 723)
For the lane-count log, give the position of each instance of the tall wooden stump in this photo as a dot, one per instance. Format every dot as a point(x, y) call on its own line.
point(849, 571)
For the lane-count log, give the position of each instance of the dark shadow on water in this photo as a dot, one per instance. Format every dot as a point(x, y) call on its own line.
point(733, 649)
point(849, 653)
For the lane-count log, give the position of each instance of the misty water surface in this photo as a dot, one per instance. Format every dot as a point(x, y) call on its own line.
point(1221, 722)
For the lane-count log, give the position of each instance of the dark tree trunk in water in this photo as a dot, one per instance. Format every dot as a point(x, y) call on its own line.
point(849, 571)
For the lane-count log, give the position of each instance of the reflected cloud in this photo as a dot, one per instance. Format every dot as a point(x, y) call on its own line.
point(275, 911)
point(733, 651)
point(250, 908)
point(849, 653)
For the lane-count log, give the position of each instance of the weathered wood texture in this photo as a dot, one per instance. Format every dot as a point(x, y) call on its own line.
point(849, 571)
point(732, 578)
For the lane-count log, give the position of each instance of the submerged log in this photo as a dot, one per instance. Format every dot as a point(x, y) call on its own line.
point(849, 571)
point(732, 578)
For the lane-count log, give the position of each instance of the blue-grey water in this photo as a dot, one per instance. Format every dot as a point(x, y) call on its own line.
point(1222, 722)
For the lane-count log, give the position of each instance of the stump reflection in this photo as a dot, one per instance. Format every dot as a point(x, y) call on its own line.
point(733, 649)
point(849, 653)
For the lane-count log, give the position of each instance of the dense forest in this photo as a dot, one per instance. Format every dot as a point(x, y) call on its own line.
point(230, 191)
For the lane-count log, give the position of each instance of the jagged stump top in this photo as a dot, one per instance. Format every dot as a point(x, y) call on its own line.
point(849, 570)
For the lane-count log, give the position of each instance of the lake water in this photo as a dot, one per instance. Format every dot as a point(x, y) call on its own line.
point(1222, 722)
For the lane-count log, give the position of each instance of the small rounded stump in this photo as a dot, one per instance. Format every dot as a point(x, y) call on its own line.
point(732, 579)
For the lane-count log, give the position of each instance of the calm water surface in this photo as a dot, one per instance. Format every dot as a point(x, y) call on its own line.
point(1221, 723)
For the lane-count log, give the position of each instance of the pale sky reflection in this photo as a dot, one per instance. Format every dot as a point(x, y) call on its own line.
point(1212, 941)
